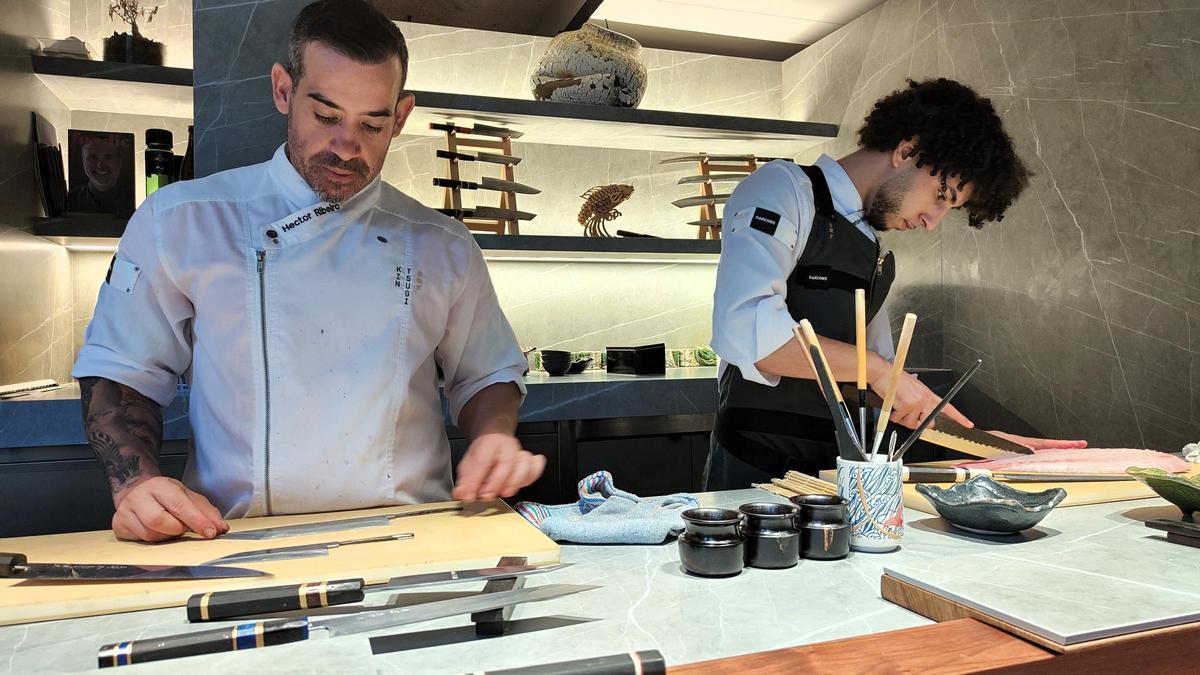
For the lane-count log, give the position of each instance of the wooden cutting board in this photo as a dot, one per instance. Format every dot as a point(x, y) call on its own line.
point(1078, 494)
point(442, 541)
point(938, 608)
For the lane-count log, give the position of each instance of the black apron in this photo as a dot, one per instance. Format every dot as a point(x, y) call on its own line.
point(763, 431)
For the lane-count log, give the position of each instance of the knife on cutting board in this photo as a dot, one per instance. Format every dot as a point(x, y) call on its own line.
point(258, 634)
point(953, 474)
point(300, 551)
point(220, 605)
point(17, 566)
point(299, 529)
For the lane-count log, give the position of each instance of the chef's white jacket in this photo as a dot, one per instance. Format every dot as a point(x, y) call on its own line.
point(311, 331)
point(750, 315)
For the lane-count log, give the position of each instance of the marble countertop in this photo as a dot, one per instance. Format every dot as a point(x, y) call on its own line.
point(53, 418)
point(647, 602)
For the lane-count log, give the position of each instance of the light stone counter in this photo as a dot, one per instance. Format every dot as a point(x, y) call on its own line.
point(645, 602)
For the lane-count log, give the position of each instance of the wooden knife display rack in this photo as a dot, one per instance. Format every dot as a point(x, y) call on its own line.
point(452, 197)
point(709, 211)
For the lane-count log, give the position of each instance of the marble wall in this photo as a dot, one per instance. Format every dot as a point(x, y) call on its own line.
point(35, 298)
point(1085, 302)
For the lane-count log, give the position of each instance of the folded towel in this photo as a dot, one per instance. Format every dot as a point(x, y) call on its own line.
point(1191, 452)
point(606, 515)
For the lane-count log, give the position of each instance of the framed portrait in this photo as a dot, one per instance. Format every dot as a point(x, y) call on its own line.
point(101, 178)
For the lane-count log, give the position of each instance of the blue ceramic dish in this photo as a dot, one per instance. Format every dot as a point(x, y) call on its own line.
point(985, 506)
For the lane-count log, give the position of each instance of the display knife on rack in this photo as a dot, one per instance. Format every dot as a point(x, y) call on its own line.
point(700, 200)
point(912, 438)
point(220, 605)
point(489, 157)
point(258, 634)
point(487, 183)
point(716, 158)
point(488, 212)
point(848, 445)
point(301, 551)
point(476, 129)
point(17, 566)
point(955, 474)
point(713, 178)
point(280, 531)
point(889, 397)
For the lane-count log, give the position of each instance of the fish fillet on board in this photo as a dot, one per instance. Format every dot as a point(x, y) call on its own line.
point(1086, 460)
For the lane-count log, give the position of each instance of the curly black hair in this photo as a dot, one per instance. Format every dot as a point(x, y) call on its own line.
point(957, 132)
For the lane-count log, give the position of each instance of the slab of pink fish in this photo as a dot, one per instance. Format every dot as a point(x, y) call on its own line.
point(1086, 460)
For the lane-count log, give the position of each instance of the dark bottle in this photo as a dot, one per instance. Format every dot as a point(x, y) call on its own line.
point(188, 170)
point(159, 159)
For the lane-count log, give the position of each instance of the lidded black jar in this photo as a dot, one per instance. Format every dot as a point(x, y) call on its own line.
point(772, 540)
point(712, 545)
point(824, 530)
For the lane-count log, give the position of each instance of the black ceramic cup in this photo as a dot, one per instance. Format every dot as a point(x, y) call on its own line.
point(712, 545)
point(772, 541)
point(824, 530)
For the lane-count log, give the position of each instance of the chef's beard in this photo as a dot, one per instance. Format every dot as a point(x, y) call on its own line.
point(887, 200)
point(309, 168)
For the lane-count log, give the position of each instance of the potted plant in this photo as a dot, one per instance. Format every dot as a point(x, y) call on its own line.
point(132, 47)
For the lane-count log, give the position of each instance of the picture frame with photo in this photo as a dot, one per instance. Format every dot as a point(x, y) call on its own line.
point(101, 172)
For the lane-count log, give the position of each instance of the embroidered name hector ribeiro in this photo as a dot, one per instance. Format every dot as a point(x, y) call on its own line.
point(318, 212)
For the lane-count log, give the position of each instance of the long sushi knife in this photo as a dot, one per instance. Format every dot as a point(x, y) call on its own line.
point(955, 474)
point(700, 200)
point(281, 531)
point(490, 157)
point(477, 130)
point(256, 634)
point(17, 566)
point(912, 438)
point(488, 212)
point(713, 178)
point(301, 551)
point(221, 605)
point(487, 183)
point(975, 442)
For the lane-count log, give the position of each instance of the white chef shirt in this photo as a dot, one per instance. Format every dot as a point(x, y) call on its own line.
point(313, 373)
point(750, 316)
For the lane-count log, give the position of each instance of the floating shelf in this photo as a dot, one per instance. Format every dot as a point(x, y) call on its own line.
point(87, 231)
point(130, 88)
point(123, 88)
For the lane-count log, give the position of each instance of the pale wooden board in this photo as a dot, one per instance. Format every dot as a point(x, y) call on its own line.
point(938, 608)
point(442, 541)
point(1078, 494)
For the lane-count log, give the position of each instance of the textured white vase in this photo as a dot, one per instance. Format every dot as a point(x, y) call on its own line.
point(592, 65)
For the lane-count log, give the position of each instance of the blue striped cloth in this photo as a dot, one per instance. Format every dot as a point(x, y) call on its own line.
point(607, 515)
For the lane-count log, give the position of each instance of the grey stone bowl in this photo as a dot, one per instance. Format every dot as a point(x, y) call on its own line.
point(985, 506)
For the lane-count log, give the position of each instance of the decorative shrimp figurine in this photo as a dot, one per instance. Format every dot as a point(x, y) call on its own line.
point(600, 206)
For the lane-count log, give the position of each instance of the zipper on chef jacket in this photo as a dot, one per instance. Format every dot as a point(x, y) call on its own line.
point(875, 276)
point(262, 312)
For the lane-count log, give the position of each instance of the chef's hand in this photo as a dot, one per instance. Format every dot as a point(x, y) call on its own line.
point(160, 508)
point(914, 401)
point(496, 466)
point(1036, 444)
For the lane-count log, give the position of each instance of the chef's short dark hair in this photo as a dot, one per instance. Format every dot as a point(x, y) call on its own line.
point(956, 131)
point(351, 27)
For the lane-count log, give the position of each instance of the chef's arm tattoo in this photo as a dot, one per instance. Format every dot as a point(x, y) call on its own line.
point(124, 429)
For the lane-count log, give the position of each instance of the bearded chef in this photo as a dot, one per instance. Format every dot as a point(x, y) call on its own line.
point(311, 303)
point(798, 241)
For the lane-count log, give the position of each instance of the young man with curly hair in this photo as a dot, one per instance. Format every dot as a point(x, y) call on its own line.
point(798, 241)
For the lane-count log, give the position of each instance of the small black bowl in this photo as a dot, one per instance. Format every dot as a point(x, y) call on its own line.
point(579, 366)
point(713, 544)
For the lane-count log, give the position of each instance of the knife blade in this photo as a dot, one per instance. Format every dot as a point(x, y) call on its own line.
point(975, 442)
point(17, 566)
point(487, 183)
point(280, 531)
point(711, 222)
point(912, 438)
point(219, 605)
point(703, 157)
point(301, 551)
point(480, 157)
point(701, 200)
point(488, 212)
point(256, 634)
point(951, 474)
point(713, 178)
point(477, 130)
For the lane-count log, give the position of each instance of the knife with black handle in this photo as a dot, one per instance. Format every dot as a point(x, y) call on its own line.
point(492, 158)
point(476, 129)
point(221, 605)
point(258, 634)
point(487, 183)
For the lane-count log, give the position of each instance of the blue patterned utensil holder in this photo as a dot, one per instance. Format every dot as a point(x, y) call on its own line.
point(874, 503)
